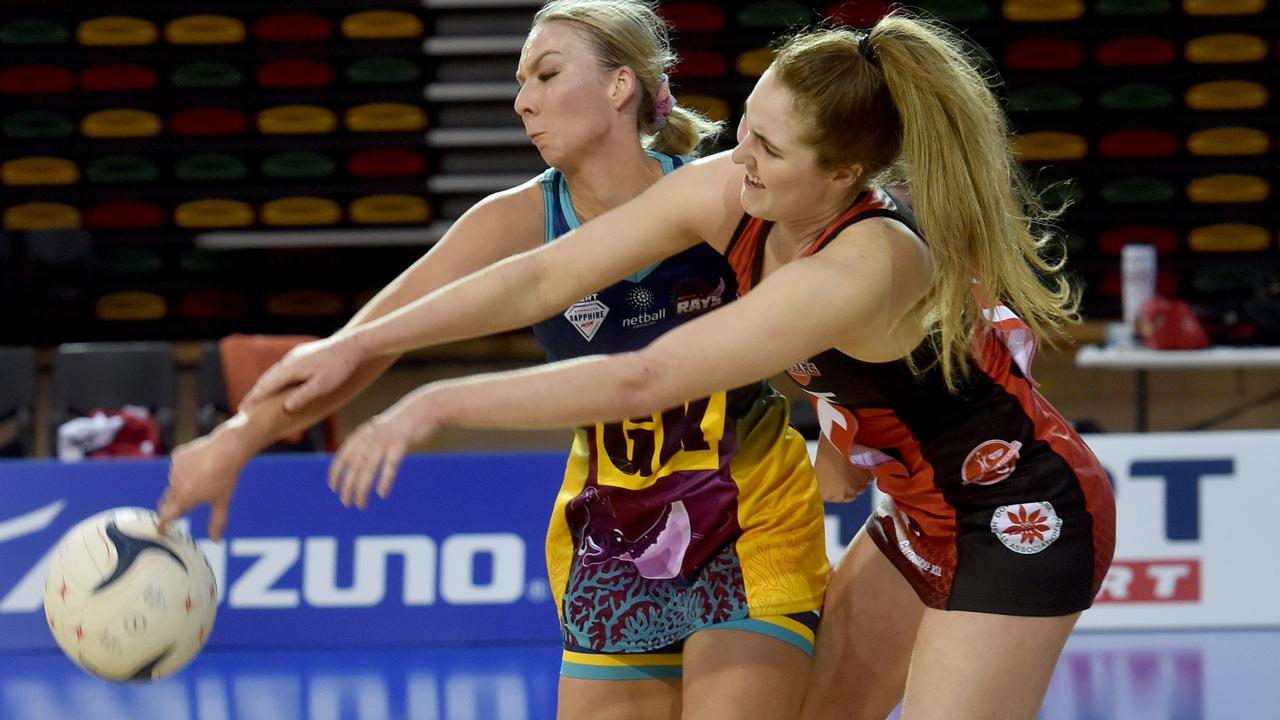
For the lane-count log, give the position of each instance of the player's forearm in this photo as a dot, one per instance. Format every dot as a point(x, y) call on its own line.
point(258, 424)
point(505, 296)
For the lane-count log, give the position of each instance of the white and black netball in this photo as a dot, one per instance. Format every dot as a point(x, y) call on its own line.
point(125, 602)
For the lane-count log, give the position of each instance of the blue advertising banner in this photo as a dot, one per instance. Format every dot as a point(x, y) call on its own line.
point(455, 555)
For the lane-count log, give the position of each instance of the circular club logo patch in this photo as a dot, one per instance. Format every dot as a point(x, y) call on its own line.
point(1026, 528)
point(990, 462)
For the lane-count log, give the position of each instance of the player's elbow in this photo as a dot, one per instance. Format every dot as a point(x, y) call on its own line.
point(646, 385)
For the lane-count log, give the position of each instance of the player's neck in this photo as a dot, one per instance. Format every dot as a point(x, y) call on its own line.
point(606, 179)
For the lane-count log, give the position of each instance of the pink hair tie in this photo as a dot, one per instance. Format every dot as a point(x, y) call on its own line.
point(663, 102)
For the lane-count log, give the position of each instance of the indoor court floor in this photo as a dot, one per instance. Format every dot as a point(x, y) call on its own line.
point(1227, 675)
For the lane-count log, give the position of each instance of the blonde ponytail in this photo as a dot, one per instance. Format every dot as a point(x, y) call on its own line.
point(915, 103)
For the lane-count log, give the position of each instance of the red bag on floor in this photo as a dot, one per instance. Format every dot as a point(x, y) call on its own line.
point(1169, 324)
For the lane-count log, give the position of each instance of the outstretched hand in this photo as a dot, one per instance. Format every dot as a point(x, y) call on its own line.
point(375, 450)
point(205, 470)
point(311, 370)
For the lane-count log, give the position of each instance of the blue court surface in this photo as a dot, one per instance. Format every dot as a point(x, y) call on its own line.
point(1102, 675)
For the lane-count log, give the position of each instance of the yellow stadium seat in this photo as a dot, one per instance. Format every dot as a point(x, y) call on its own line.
point(753, 63)
point(385, 117)
point(301, 211)
point(121, 123)
point(39, 171)
point(389, 210)
point(297, 120)
point(130, 305)
point(713, 107)
point(1042, 10)
point(1229, 237)
point(1223, 7)
point(213, 213)
point(381, 25)
point(1227, 95)
point(117, 31)
point(205, 30)
point(1228, 188)
point(1049, 145)
point(1226, 48)
point(1228, 141)
point(305, 303)
point(41, 216)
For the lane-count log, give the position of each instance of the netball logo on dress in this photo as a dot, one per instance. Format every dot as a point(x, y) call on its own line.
point(1026, 528)
point(990, 462)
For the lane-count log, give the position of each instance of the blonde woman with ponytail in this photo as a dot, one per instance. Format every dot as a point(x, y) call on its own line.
point(913, 334)
point(685, 548)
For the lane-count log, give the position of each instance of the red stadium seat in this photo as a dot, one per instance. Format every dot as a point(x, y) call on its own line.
point(386, 162)
point(694, 17)
point(858, 13)
point(701, 64)
point(1138, 143)
point(36, 80)
point(1112, 240)
point(208, 121)
point(125, 214)
point(295, 73)
point(292, 28)
point(118, 77)
point(1135, 51)
point(1044, 54)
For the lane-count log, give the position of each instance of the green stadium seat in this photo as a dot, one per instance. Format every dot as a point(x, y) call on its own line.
point(117, 31)
point(34, 31)
point(39, 170)
point(383, 71)
point(1229, 237)
point(1225, 48)
point(382, 25)
point(385, 117)
point(300, 211)
point(957, 11)
point(210, 167)
point(1223, 7)
point(1049, 145)
point(300, 164)
point(205, 75)
point(1136, 96)
point(389, 210)
point(1044, 98)
point(130, 261)
point(1042, 10)
point(1228, 188)
point(774, 14)
point(121, 169)
point(121, 123)
point(201, 261)
point(36, 80)
point(31, 124)
point(1228, 141)
point(1227, 95)
point(297, 120)
point(1139, 190)
point(41, 216)
point(1132, 8)
point(205, 30)
point(213, 213)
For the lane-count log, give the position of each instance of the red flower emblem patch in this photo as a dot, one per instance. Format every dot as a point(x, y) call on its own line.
point(1026, 528)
